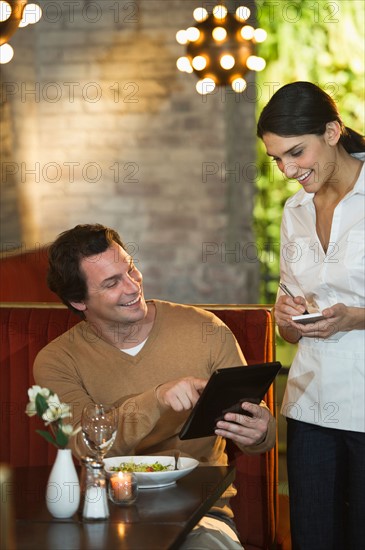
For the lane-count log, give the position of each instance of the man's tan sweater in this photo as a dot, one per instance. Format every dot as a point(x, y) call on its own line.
point(81, 367)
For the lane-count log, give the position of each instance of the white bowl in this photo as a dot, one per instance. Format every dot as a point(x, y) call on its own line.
point(151, 480)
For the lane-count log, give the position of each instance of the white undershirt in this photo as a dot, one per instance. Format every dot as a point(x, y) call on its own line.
point(135, 349)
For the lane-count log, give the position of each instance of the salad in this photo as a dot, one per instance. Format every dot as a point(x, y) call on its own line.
point(134, 467)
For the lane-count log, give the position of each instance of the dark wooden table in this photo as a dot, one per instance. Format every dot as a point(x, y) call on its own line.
point(159, 520)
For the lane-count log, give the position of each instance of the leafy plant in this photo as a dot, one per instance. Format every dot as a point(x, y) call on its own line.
point(46, 404)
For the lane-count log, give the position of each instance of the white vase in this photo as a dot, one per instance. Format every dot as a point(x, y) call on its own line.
point(63, 487)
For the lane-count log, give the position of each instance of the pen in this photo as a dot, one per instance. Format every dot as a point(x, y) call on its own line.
point(285, 289)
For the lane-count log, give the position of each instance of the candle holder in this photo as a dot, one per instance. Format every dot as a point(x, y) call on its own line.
point(123, 488)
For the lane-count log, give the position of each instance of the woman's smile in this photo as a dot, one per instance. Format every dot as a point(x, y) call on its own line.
point(305, 177)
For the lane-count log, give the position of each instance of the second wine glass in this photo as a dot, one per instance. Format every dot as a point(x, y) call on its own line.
point(99, 428)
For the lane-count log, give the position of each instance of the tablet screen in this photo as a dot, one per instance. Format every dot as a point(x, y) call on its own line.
point(225, 391)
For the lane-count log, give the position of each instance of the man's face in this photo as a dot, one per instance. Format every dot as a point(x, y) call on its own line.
point(114, 286)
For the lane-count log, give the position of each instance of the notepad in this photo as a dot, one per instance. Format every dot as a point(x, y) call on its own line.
point(308, 318)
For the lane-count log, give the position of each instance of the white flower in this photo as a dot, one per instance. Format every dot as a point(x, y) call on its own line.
point(35, 390)
point(30, 409)
point(56, 410)
point(52, 411)
point(68, 429)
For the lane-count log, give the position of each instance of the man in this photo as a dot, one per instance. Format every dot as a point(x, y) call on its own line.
point(149, 359)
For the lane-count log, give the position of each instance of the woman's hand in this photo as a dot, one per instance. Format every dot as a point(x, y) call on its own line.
point(285, 308)
point(338, 318)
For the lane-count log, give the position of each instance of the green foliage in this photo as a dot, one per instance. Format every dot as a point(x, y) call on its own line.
point(41, 404)
point(48, 437)
point(321, 42)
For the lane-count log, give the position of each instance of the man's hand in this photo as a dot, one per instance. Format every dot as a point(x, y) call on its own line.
point(245, 430)
point(181, 394)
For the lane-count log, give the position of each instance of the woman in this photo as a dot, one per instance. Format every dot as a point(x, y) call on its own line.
point(322, 264)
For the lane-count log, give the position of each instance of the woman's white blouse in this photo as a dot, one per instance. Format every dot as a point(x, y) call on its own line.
point(326, 382)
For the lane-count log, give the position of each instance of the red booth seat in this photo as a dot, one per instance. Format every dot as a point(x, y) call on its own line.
point(23, 277)
point(29, 327)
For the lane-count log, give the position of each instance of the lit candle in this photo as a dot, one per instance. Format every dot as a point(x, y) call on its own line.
point(121, 485)
point(123, 488)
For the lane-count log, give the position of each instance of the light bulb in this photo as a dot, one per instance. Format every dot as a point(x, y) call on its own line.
point(205, 86)
point(239, 85)
point(220, 12)
point(227, 61)
point(183, 64)
point(181, 37)
point(192, 34)
point(260, 35)
point(247, 32)
point(242, 13)
point(199, 63)
point(6, 53)
point(200, 14)
point(255, 63)
point(31, 15)
point(219, 33)
point(5, 11)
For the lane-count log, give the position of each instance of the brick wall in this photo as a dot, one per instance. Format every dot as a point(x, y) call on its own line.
point(100, 126)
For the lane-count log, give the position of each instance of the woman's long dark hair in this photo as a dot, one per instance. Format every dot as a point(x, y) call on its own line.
point(303, 108)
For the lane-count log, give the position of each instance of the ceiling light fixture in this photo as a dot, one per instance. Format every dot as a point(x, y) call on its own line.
point(13, 15)
point(220, 48)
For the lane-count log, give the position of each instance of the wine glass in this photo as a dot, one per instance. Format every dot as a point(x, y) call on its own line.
point(99, 428)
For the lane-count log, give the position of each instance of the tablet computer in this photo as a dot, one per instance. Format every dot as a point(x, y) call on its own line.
point(225, 391)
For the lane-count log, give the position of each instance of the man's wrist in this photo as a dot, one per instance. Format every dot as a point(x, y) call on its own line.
point(262, 439)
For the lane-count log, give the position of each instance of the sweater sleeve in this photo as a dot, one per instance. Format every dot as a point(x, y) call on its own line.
point(225, 350)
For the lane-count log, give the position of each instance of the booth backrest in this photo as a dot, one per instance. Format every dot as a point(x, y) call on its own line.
point(28, 328)
point(256, 503)
point(23, 277)
point(24, 332)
